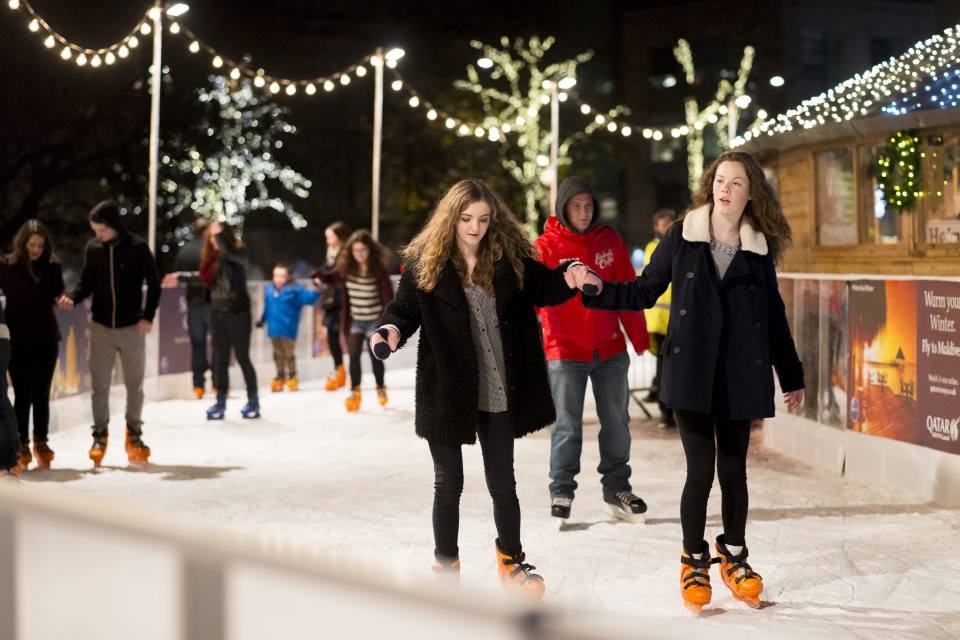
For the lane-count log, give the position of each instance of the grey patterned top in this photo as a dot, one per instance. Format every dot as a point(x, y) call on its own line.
point(722, 255)
point(485, 329)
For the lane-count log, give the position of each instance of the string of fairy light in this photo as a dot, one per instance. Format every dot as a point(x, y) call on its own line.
point(87, 57)
point(611, 120)
point(914, 78)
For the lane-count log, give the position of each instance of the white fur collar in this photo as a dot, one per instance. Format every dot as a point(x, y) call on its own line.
point(696, 228)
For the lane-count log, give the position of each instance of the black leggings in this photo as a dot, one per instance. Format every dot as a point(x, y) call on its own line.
point(706, 439)
point(231, 330)
point(31, 370)
point(358, 343)
point(333, 342)
point(496, 445)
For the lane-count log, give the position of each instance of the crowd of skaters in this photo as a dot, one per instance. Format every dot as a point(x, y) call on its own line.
point(542, 318)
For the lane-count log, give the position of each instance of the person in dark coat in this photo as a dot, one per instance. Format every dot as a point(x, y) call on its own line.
point(32, 280)
point(223, 269)
point(727, 332)
point(336, 236)
point(198, 304)
point(470, 284)
point(9, 442)
point(116, 266)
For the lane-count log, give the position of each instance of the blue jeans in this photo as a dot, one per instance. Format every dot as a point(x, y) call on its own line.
point(568, 383)
point(198, 325)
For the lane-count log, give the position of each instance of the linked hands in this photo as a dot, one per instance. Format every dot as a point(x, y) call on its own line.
point(169, 280)
point(793, 399)
point(579, 276)
point(64, 303)
point(384, 342)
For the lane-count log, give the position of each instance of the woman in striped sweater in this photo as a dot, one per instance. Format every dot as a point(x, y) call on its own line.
point(365, 290)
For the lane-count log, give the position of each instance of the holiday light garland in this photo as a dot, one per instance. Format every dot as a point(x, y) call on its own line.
point(899, 172)
point(81, 55)
point(221, 63)
point(901, 79)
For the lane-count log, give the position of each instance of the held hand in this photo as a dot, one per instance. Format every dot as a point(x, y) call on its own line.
point(144, 327)
point(170, 280)
point(592, 284)
point(65, 303)
point(793, 399)
point(215, 227)
point(384, 342)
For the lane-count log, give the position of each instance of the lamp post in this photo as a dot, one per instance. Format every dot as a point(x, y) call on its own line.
point(566, 82)
point(156, 13)
point(378, 61)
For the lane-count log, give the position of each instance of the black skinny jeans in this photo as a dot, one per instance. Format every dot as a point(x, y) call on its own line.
point(496, 444)
point(9, 445)
point(31, 370)
point(232, 330)
point(333, 342)
point(705, 440)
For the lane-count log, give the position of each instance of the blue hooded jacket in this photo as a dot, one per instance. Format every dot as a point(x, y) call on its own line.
point(281, 308)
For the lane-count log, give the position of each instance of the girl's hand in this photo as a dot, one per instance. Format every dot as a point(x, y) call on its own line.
point(384, 342)
point(793, 399)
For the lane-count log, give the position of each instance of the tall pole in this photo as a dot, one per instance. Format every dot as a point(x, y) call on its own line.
point(554, 147)
point(155, 127)
point(377, 142)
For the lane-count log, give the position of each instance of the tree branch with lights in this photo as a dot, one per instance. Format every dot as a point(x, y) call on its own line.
point(512, 114)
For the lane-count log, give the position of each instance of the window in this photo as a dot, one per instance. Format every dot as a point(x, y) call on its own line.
point(879, 223)
point(939, 207)
point(836, 204)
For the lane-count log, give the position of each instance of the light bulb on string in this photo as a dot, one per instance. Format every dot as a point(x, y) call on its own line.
point(34, 25)
point(361, 71)
point(310, 89)
point(194, 47)
point(49, 42)
point(344, 79)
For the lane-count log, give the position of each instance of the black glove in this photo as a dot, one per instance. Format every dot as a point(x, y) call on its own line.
point(382, 350)
point(260, 324)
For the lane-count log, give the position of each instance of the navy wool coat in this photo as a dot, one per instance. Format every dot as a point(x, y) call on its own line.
point(448, 377)
point(725, 337)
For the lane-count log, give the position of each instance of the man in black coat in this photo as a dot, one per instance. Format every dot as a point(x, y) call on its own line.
point(116, 266)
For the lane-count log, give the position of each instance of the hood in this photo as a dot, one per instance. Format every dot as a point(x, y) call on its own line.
point(109, 213)
point(569, 188)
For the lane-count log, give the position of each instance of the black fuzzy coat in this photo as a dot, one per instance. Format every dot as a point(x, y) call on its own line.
point(448, 387)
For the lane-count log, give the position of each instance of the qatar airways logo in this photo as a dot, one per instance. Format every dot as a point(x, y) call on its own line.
point(944, 428)
point(603, 259)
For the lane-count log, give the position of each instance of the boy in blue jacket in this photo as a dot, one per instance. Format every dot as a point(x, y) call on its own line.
point(281, 313)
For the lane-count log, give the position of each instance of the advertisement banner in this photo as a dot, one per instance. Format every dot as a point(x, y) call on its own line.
point(882, 371)
point(938, 311)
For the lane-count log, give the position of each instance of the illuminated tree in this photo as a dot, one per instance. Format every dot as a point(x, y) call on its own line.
point(236, 172)
point(513, 111)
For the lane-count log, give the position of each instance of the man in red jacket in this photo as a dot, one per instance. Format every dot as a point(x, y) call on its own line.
point(583, 343)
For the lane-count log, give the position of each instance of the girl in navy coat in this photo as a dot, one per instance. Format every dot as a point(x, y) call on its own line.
point(282, 301)
point(727, 331)
point(470, 284)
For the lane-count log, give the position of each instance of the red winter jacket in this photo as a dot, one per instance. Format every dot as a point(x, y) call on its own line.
point(570, 330)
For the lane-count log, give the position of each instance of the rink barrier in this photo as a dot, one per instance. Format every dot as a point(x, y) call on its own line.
point(825, 432)
point(78, 566)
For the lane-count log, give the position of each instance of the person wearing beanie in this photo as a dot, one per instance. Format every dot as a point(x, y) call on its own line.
point(584, 344)
point(116, 266)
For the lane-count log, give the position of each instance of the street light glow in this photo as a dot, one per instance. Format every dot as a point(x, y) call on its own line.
point(394, 54)
point(484, 63)
point(776, 81)
point(178, 9)
point(567, 82)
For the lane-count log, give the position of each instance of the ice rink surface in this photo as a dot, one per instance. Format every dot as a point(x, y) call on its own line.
point(840, 558)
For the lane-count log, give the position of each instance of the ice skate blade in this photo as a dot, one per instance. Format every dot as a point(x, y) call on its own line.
point(752, 601)
point(619, 514)
point(693, 607)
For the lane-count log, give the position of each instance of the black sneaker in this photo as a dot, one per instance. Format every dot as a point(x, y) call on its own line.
point(625, 505)
point(560, 507)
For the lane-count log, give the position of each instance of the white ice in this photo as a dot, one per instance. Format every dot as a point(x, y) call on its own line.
point(839, 558)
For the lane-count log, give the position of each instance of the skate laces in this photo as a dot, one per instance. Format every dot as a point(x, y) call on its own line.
point(522, 568)
point(697, 561)
point(738, 568)
point(629, 500)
